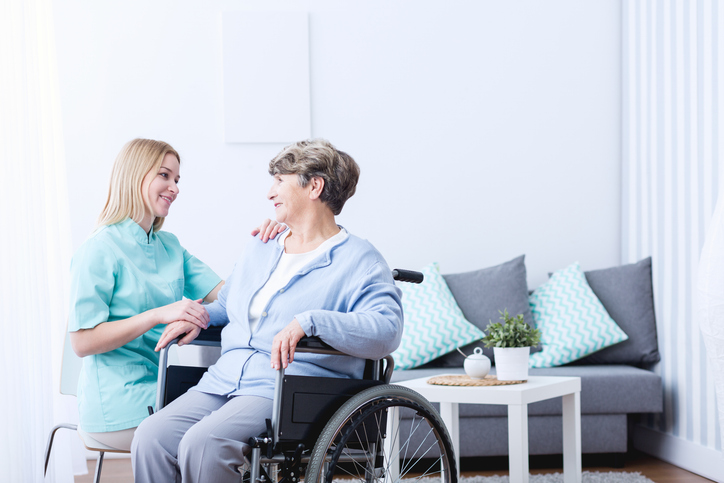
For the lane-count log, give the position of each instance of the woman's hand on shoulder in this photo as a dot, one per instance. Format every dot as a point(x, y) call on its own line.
point(184, 310)
point(284, 344)
point(177, 329)
point(268, 230)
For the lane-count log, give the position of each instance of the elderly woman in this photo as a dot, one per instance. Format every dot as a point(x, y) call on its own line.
point(316, 280)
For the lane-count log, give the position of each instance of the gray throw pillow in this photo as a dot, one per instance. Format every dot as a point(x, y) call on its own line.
point(627, 294)
point(481, 294)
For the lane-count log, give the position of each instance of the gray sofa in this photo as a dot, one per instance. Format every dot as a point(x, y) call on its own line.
point(617, 384)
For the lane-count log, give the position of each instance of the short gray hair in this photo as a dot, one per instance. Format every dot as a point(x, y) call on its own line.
point(318, 158)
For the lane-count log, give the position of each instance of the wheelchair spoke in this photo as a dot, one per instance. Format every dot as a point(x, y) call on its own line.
point(412, 461)
point(427, 473)
point(352, 448)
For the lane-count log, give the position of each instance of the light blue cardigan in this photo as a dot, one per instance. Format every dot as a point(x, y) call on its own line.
point(346, 296)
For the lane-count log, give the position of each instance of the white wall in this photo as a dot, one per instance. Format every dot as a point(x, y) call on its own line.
point(484, 129)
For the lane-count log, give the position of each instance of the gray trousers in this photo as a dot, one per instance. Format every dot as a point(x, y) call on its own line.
point(198, 438)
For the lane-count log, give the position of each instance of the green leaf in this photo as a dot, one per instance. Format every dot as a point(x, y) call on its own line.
point(513, 332)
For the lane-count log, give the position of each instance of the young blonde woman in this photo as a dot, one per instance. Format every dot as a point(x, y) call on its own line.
point(128, 282)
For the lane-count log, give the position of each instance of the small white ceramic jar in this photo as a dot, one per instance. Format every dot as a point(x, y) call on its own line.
point(477, 365)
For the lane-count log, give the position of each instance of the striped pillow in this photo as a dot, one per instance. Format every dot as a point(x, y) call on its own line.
point(572, 320)
point(434, 324)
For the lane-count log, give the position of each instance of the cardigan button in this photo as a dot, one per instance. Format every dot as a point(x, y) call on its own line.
point(263, 314)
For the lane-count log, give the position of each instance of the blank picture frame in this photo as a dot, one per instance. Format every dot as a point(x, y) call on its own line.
point(266, 77)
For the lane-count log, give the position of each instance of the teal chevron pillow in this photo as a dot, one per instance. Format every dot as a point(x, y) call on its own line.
point(434, 324)
point(572, 320)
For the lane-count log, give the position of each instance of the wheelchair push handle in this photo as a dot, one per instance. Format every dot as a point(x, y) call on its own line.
point(407, 276)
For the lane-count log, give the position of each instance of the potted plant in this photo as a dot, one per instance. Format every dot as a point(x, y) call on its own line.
point(511, 342)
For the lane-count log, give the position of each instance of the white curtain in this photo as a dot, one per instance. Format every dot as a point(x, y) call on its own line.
point(34, 245)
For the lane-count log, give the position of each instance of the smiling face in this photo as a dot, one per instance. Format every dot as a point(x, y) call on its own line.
point(288, 197)
point(160, 189)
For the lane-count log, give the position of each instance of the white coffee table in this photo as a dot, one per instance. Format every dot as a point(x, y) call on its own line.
point(516, 397)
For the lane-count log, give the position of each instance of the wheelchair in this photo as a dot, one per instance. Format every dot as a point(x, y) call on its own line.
point(323, 429)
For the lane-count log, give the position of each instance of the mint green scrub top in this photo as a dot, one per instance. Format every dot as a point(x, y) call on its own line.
point(117, 273)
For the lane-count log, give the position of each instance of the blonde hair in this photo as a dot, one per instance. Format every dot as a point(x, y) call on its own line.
point(133, 163)
point(319, 158)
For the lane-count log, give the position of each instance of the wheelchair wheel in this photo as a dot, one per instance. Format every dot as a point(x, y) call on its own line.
point(352, 444)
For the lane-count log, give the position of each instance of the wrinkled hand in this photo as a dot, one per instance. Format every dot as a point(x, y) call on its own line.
point(177, 329)
point(184, 310)
point(284, 344)
point(269, 229)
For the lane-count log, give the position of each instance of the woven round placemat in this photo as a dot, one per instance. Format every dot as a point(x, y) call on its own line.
point(463, 380)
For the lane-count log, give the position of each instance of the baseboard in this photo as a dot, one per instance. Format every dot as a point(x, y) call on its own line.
point(698, 459)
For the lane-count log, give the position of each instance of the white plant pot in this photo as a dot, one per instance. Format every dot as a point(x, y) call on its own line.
point(511, 363)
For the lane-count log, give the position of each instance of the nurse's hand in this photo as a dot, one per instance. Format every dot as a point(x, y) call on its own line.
point(177, 329)
point(269, 229)
point(183, 310)
point(284, 344)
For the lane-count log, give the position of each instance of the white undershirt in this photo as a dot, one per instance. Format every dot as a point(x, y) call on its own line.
point(289, 265)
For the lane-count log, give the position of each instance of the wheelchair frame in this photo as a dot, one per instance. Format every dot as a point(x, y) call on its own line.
point(361, 435)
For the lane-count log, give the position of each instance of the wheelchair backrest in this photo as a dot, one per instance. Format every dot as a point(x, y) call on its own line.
point(307, 403)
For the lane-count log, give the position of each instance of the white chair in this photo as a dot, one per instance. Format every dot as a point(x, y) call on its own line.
point(69, 373)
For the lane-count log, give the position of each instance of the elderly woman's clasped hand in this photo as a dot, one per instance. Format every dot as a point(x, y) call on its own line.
point(180, 328)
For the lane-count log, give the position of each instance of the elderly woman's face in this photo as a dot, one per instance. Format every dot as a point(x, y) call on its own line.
point(288, 197)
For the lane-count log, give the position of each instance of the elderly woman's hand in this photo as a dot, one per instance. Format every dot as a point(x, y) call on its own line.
point(177, 329)
point(284, 344)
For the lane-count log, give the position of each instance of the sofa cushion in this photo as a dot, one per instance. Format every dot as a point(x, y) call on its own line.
point(605, 389)
point(572, 320)
point(627, 294)
point(600, 433)
point(481, 294)
point(434, 324)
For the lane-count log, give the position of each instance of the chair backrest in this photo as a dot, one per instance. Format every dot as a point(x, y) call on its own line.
point(70, 369)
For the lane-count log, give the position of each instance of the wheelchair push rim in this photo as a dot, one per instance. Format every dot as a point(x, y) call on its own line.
point(351, 446)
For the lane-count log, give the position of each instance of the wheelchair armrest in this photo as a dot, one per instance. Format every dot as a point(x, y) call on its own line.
point(210, 336)
point(315, 345)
